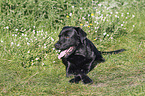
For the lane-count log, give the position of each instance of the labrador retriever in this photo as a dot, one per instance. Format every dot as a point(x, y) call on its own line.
point(78, 54)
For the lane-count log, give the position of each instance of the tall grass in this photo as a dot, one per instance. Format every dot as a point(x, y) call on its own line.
point(33, 25)
point(29, 29)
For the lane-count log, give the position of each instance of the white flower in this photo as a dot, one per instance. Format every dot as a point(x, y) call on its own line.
point(108, 8)
point(12, 43)
point(28, 52)
point(1, 41)
point(16, 29)
point(52, 39)
point(133, 16)
point(44, 46)
point(116, 16)
point(104, 19)
point(18, 44)
point(128, 13)
point(121, 24)
point(53, 48)
point(7, 27)
point(72, 6)
point(99, 5)
point(28, 43)
point(33, 31)
point(37, 59)
point(133, 25)
point(53, 61)
point(70, 14)
point(83, 18)
point(81, 8)
point(104, 33)
point(42, 64)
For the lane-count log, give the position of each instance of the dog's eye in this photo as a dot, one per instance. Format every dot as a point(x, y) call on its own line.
point(67, 37)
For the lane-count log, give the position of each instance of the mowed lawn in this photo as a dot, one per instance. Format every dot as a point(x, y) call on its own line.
point(28, 60)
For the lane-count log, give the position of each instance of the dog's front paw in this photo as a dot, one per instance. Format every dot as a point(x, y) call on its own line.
point(75, 80)
point(86, 80)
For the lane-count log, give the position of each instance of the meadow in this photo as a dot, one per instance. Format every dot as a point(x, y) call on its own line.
point(28, 60)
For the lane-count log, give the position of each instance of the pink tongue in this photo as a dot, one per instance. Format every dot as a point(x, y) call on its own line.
point(62, 54)
point(65, 52)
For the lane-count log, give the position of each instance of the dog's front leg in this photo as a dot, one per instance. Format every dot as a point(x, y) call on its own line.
point(91, 64)
point(68, 71)
point(85, 79)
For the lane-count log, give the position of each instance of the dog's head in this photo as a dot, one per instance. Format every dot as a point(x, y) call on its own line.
point(69, 39)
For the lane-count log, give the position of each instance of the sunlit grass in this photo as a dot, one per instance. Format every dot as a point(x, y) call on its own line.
point(29, 63)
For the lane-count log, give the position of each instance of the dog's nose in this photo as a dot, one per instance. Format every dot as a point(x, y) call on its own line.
point(57, 46)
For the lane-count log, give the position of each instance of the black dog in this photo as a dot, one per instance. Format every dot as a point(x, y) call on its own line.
point(78, 53)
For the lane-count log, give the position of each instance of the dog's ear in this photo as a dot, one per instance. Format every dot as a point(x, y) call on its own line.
point(81, 34)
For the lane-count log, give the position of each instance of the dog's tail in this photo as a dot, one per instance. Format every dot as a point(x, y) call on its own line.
point(112, 52)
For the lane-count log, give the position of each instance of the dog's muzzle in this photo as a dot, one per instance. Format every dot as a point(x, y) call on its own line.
point(57, 46)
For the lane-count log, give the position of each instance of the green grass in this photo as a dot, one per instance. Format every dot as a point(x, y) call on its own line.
point(29, 63)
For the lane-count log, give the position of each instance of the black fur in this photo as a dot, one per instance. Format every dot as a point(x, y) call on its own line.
point(82, 59)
